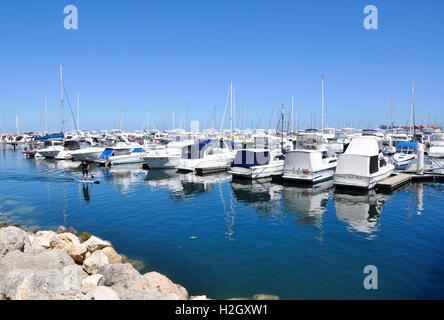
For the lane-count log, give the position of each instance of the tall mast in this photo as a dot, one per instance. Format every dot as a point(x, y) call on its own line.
point(173, 118)
point(231, 107)
point(282, 126)
point(46, 112)
point(78, 111)
point(121, 118)
point(17, 123)
point(413, 105)
point(393, 116)
point(292, 109)
point(322, 113)
point(234, 107)
point(61, 98)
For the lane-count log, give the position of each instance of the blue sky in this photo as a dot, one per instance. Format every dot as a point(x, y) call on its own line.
point(153, 56)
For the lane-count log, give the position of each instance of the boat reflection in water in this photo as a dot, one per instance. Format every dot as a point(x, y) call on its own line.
point(184, 185)
point(361, 210)
point(263, 194)
point(308, 202)
point(124, 177)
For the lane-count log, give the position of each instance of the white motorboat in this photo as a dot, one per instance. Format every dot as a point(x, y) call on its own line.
point(256, 163)
point(436, 149)
point(310, 162)
point(91, 153)
point(206, 155)
point(165, 157)
point(51, 148)
point(121, 155)
point(405, 155)
point(362, 165)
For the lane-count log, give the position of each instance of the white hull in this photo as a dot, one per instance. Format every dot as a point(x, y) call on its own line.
point(126, 159)
point(92, 154)
point(209, 162)
point(362, 182)
point(167, 162)
point(257, 172)
point(49, 153)
point(312, 177)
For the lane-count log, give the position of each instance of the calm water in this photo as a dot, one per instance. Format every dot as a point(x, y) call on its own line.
point(227, 238)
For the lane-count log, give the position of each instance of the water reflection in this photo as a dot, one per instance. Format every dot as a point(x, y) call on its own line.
point(361, 210)
point(308, 202)
point(263, 194)
point(185, 185)
point(85, 189)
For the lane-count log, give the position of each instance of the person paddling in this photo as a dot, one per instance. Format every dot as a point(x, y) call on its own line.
point(85, 168)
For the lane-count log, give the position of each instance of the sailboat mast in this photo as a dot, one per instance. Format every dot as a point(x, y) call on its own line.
point(413, 106)
point(121, 118)
point(393, 116)
point(46, 112)
point(61, 98)
point(282, 128)
point(231, 107)
point(292, 109)
point(78, 111)
point(322, 112)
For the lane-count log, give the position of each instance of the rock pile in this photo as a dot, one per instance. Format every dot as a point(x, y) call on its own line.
point(49, 265)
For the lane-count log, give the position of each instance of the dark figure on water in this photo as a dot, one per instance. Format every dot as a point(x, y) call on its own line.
point(86, 192)
point(85, 169)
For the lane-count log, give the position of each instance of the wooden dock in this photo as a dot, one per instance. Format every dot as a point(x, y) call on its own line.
point(394, 182)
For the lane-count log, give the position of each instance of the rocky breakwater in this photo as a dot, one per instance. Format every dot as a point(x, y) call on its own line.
point(49, 265)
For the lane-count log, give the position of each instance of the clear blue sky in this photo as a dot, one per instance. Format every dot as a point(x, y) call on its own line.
point(152, 56)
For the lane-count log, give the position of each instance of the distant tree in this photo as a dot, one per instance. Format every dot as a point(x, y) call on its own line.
point(383, 127)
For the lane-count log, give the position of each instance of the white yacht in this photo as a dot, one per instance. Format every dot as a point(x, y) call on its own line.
point(405, 155)
point(51, 148)
point(121, 155)
point(206, 155)
point(311, 161)
point(257, 163)
point(166, 156)
point(362, 165)
point(436, 149)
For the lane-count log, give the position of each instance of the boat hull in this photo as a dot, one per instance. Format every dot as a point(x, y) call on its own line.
point(257, 172)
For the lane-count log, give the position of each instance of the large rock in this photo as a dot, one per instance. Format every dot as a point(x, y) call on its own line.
point(112, 255)
point(164, 285)
point(41, 285)
point(102, 293)
point(12, 238)
point(69, 243)
point(96, 260)
point(35, 260)
point(91, 282)
point(42, 239)
point(94, 244)
point(124, 276)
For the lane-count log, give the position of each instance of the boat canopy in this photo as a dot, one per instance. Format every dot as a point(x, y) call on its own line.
point(407, 144)
point(50, 136)
point(363, 146)
point(196, 150)
point(251, 158)
point(106, 153)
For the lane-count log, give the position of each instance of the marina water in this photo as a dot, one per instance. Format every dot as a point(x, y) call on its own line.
point(227, 238)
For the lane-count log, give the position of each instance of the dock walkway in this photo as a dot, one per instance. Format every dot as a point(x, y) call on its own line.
point(393, 182)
